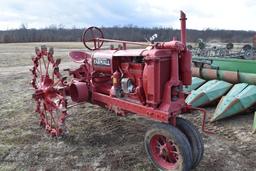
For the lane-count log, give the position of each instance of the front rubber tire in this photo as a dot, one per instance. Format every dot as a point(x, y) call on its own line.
point(194, 137)
point(176, 157)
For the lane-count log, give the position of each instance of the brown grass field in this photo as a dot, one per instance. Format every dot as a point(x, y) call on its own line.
point(97, 139)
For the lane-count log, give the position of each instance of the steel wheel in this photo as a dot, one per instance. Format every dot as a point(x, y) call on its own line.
point(49, 94)
point(168, 148)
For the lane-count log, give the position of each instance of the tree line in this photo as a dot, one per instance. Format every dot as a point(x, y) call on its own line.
point(132, 33)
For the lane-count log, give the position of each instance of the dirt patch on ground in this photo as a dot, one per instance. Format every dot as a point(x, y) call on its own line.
point(97, 139)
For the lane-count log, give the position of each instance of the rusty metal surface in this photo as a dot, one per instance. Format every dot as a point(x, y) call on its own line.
point(229, 76)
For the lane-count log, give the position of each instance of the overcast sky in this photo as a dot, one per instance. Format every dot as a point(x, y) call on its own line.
point(201, 14)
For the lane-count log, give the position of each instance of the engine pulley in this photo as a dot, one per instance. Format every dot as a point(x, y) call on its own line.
point(127, 86)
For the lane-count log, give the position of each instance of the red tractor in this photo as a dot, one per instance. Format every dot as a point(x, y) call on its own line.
point(148, 82)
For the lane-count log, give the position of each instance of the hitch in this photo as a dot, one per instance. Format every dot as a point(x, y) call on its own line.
point(203, 111)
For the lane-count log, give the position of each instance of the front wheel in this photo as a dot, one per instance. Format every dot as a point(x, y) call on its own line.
point(194, 137)
point(49, 91)
point(168, 148)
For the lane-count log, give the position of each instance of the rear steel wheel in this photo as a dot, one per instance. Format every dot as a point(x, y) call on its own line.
point(168, 148)
point(51, 103)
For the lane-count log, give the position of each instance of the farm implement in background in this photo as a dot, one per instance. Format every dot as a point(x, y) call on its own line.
point(204, 50)
point(229, 81)
point(146, 81)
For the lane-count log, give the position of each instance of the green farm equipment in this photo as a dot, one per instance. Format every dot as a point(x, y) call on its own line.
point(229, 81)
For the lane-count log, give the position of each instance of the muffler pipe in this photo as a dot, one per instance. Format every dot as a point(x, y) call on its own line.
point(183, 35)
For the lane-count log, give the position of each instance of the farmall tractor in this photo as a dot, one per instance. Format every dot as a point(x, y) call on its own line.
point(148, 82)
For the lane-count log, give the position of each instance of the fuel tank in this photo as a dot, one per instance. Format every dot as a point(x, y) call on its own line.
point(102, 61)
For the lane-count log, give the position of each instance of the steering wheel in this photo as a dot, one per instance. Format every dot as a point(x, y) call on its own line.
point(90, 38)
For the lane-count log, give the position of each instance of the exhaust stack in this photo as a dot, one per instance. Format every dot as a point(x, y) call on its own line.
point(183, 35)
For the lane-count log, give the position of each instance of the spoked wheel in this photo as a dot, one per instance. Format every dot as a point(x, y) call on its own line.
point(194, 137)
point(51, 103)
point(91, 38)
point(168, 148)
